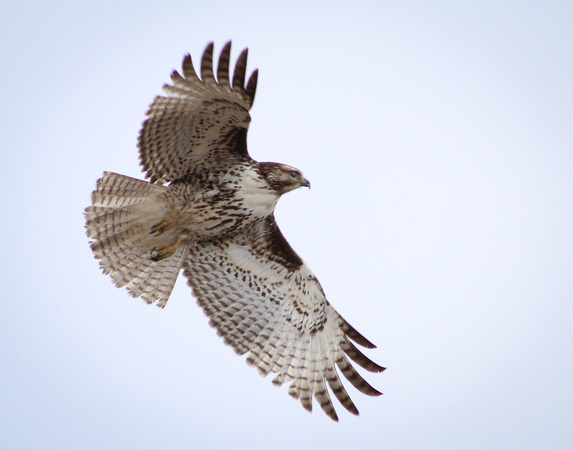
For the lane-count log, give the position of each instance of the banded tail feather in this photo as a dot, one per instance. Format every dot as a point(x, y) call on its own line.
point(118, 222)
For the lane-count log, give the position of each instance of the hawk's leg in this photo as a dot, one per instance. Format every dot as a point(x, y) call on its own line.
point(164, 251)
point(162, 225)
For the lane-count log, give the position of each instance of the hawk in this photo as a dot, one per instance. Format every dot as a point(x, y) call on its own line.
point(207, 209)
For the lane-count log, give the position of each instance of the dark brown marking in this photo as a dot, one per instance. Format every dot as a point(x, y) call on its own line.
point(279, 246)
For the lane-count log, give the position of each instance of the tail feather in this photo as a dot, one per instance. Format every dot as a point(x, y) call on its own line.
point(117, 191)
point(107, 221)
point(153, 280)
point(118, 223)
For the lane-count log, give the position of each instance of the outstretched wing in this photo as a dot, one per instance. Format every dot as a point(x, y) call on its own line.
point(264, 300)
point(201, 121)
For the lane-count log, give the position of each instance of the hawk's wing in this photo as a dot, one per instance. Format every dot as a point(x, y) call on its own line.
point(264, 300)
point(201, 121)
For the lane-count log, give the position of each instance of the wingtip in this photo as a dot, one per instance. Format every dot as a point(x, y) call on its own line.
point(226, 48)
point(244, 52)
point(251, 88)
point(375, 393)
point(353, 334)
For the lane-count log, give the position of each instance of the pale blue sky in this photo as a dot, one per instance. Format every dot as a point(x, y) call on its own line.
point(438, 138)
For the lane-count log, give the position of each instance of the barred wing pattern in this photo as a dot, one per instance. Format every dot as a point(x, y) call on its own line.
point(264, 300)
point(200, 120)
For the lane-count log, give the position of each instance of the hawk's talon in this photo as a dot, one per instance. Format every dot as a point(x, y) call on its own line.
point(164, 251)
point(155, 230)
point(154, 254)
point(159, 228)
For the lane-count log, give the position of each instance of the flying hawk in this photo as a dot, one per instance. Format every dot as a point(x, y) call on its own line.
point(208, 210)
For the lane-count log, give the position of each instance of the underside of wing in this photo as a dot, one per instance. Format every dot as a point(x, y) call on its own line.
point(264, 301)
point(201, 121)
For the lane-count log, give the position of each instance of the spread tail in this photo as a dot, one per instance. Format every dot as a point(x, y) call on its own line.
point(118, 223)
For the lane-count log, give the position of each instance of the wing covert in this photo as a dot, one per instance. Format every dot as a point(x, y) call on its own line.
point(200, 122)
point(263, 300)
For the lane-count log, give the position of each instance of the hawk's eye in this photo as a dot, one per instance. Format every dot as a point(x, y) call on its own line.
point(294, 174)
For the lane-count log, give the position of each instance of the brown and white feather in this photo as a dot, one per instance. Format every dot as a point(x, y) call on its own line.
point(263, 300)
point(197, 125)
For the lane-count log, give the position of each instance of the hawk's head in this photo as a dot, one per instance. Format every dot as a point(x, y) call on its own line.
point(282, 178)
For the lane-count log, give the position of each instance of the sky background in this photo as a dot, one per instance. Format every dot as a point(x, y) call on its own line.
point(438, 137)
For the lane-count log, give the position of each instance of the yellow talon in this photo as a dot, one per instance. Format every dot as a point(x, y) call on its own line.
point(162, 225)
point(164, 251)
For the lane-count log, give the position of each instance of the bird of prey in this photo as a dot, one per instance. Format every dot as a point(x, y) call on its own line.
point(208, 209)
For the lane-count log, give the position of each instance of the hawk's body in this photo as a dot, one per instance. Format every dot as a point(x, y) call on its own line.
point(209, 211)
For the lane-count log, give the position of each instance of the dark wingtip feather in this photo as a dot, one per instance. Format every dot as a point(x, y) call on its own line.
point(174, 74)
point(240, 69)
point(355, 378)
point(331, 414)
point(359, 358)
point(209, 48)
point(252, 86)
point(207, 63)
point(223, 65)
point(351, 332)
point(188, 69)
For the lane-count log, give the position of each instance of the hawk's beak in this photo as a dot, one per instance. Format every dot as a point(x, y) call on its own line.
point(305, 183)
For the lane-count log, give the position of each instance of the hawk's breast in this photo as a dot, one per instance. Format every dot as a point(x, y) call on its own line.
point(211, 209)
